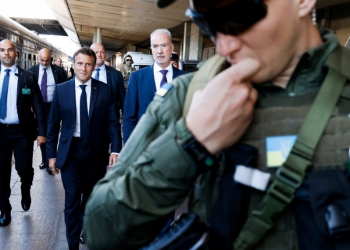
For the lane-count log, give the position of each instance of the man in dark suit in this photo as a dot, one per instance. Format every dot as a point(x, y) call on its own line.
point(47, 76)
point(144, 83)
point(22, 120)
point(108, 74)
point(85, 108)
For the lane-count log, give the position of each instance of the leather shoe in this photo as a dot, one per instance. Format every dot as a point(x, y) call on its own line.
point(49, 170)
point(26, 199)
point(42, 165)
point(5, 219)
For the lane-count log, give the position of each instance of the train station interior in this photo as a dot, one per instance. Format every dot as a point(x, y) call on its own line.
point(122, 26)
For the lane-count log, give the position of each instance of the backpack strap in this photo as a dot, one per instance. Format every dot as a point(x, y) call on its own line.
point(205, 73)
point(291, 174)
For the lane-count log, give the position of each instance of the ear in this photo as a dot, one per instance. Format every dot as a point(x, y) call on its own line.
point(305, 7)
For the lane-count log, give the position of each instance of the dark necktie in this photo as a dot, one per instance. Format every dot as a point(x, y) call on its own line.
point(164, 80)
point(84, 117)
point(44, 86)
point(3, 100)
point(97, 76)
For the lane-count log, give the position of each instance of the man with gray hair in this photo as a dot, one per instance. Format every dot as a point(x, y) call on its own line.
point(144, 83)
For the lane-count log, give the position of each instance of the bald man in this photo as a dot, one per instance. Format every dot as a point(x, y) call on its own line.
point(22, 120)
point(47, 76)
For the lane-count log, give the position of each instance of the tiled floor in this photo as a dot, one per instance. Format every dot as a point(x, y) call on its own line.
point(42, 227)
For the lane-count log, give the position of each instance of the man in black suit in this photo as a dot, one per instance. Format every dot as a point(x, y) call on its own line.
point(108, 74)
point(87, 112)
point(22, 120)
point(47, 76)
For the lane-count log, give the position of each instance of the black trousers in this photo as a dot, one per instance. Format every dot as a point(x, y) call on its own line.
point(79, 175)
point(47, 108)
point(12, 140)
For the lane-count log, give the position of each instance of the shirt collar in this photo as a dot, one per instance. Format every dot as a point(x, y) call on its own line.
point(42, 68)
point(157, 68)
point(13, 68)
point(102, 68)
point(309, 73)
point(77, 82)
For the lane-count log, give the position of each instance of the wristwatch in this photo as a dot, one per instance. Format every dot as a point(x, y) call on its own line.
point(199, 154)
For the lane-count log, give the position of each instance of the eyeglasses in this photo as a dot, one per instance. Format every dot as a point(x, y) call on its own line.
point(232, 19)
point(128, 60)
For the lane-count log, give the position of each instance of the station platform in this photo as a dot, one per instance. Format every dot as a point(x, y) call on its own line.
point(42, 227)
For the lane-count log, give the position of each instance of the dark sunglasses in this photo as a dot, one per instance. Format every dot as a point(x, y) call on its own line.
point(128, 60)
point(232, 19)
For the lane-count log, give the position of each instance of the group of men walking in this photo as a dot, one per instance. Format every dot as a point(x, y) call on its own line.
point(75, 122)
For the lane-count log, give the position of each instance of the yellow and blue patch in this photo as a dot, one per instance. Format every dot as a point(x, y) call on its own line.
point(164, 89)
point(278, 149)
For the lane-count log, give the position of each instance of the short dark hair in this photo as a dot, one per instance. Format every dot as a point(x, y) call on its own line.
point(85, 51)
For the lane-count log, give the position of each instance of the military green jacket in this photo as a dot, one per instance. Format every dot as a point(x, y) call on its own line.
point(132, 203)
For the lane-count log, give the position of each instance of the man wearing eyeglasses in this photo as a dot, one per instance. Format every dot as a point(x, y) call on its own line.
point(276, 92)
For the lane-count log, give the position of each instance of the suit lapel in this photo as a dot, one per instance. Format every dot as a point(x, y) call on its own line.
point(94, 91)
point(108, 72)
point(71, 96)
point(20, 81)
point(150, 76)
point(176, 72)
point(36, 72)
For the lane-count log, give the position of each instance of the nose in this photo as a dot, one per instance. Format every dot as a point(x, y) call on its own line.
point(227, 44)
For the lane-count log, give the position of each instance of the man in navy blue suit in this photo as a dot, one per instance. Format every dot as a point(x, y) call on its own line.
point(144, 83)
point(84, 107)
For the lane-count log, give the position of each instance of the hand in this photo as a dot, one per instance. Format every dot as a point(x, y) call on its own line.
point(52, 166)
point(221, 112)
point(113, 158)
point(40, 140)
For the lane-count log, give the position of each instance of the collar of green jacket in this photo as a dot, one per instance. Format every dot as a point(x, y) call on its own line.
point(309, 73)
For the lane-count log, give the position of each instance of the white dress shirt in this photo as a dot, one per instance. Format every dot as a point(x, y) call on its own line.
point(12, 114)
point(50, 81)
point(158, 75)
point(78, 92)
point(102, 72)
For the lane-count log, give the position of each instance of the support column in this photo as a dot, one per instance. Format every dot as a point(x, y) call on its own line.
point(192, 42)
point(97, 35)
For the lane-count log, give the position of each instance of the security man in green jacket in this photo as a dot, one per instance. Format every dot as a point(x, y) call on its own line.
point(276, 64)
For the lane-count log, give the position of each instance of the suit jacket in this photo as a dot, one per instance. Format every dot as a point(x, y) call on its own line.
point(140, 93)
point(115, 79)
point(104, 122)
point(58, 73)
point(30, 107)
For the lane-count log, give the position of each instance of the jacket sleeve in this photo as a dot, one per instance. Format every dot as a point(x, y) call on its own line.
point(130, 108)
point(38, 106)
point(53, 127)
point(120, 90)
point(132, 203)
point(114, 124)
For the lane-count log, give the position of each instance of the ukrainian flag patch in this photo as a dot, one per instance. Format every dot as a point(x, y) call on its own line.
point(278, 149)
point(164, 89)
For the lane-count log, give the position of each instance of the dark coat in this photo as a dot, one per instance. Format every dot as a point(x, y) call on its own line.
point(141, 90)
point(104, 122)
